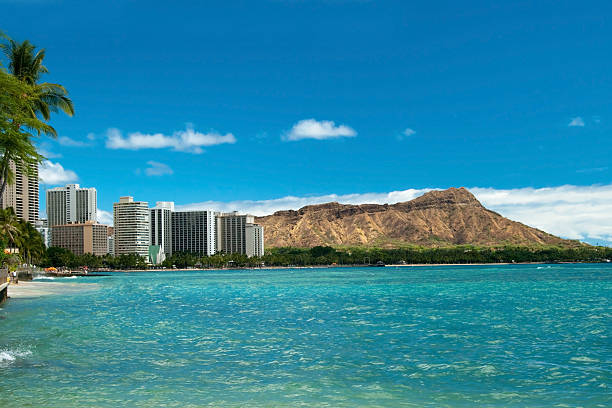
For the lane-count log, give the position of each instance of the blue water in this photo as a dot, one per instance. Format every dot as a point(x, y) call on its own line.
point(462, 336)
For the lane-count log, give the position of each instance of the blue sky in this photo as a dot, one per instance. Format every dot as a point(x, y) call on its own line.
point(227, 101)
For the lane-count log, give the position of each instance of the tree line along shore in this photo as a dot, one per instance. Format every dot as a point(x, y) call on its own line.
point(323, 255)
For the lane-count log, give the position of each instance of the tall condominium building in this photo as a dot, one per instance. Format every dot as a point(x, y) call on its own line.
point(71, 204)
point(161, 226)
point(22, 195)
point(81, 238)
point(194, 232)
point(131, 224)
point(254, 236)
point(232, 234)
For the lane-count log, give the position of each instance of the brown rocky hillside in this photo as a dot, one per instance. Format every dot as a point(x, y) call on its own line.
point(438, 218)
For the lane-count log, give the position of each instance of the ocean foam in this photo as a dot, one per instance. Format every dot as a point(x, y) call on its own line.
point(7, 356)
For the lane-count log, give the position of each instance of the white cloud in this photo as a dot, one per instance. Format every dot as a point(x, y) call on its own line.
point(91, 136)
point(66, 141)
point(574, 212)
point(577, 121)
point(54, 174)
point(105, 217)
point(157, 169)
point(319, 130)
point(409, 132)
point(187, 140)
point(406, 133)
point(265, 207)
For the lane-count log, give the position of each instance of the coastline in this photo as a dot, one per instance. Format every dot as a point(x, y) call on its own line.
point(342, 266)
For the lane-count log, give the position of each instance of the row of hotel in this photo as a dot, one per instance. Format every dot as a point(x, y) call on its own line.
point(154, 233)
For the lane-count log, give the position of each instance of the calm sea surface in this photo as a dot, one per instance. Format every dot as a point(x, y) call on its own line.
point(346, 337)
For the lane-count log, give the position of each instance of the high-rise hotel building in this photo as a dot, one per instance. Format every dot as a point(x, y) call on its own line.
point(161, 226)
point(71, 204)
point(22, 195)
point(238, 233)
point(194, 232)
point(254, 238)
point(131, 225)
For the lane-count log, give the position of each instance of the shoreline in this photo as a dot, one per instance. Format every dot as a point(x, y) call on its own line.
point(341, 266)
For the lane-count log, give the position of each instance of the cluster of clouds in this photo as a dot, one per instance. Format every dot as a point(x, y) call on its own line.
point(188, 140)
point(573, 212)
point(192, 141)
point(327, 129)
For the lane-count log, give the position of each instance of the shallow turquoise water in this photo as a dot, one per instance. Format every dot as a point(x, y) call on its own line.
point(379, 337)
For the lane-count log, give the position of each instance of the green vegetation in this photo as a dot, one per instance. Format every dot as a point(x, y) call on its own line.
point(61, 257)
point(321, 255)
point(16, 233)
point(462, 254)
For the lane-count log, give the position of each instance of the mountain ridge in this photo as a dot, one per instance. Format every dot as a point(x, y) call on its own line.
point(437, 218)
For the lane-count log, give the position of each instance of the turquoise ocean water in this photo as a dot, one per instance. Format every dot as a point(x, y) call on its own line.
point(517, 335)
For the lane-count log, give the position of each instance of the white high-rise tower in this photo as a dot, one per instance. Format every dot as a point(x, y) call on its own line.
point(132, 228)
point(71, 204)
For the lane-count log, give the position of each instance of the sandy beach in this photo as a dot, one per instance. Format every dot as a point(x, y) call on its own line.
point(34, 289)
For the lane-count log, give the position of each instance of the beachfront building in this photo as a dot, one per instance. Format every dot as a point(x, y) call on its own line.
point(254, 237)
point(194, 232)
point(22, 195)
point(161, 226)
point(131, 225)
point(42, 226)
point(81, 238)
point(232, 234)
point(71, 204)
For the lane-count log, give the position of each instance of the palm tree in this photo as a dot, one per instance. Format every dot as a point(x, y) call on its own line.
point(22, 101)
point(18, 125)
point(9, 226)
point(26, 64)
point(31, 245)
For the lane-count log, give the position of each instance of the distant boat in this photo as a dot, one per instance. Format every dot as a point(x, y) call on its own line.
point(379, 263)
